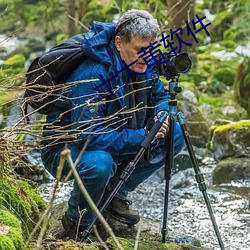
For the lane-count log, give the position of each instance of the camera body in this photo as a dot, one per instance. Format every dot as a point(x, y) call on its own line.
point(175, 65)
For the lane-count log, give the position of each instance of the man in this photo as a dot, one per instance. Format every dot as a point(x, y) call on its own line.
point(109, 114)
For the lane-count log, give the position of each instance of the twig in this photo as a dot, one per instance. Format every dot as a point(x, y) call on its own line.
point(66, 154)
point(77, 21)
point(99, 238)
point(137, 236)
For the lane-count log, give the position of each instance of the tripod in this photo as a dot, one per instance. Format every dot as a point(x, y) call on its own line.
point(173, 90)
point(169, 163)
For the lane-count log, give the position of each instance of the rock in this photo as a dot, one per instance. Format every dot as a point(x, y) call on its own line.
point(197, 125)
point(183, 161)
point(181, 179)
point(231, 169)
point(228, 110)
point(206, 109)
point(229, 140)
point(149, 238)
point(188, 95)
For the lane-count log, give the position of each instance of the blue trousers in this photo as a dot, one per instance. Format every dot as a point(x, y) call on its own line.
point(100, 170)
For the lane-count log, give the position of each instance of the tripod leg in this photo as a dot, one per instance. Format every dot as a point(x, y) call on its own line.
point(129, 168)
point(168, 173)
point(199, 177)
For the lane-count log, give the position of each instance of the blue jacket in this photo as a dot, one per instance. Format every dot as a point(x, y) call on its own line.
point(94, 113)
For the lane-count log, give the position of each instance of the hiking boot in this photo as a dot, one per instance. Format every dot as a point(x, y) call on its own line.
point(121, 211)
point(75, 231)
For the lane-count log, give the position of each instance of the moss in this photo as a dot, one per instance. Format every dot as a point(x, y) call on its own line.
point(13, 71)
point(60, 38)
point(16, 237)
point(229, 45)
point(128, 244)
point(212, 100)
point(242, 84)
point(212, 70)
point(13, 239)
point(17, 61)
point(10, 220)
point(6, 243)
point(224, 75)
point(221, 23)
point(238, 128)
point(236, 125)
point(66, 245)
point(219, 103)
point(236, 34)
point(22, 200)
point(221, 122)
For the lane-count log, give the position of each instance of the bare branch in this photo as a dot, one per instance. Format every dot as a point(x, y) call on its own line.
point(66, 154)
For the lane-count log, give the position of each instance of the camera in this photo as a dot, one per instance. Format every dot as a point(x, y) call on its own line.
point(176, 65)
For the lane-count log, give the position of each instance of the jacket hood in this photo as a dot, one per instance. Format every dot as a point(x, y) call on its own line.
point(98, 42)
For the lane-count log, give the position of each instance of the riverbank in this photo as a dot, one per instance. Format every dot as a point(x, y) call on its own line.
point(188, 215)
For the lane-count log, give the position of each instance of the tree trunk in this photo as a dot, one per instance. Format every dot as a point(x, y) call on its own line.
point(83, 7)
point(179, 12)
point(72, 13)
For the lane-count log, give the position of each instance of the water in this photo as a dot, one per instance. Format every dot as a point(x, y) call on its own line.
point(188, 215)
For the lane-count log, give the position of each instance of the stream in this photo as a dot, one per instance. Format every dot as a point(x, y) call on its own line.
point(187, 212)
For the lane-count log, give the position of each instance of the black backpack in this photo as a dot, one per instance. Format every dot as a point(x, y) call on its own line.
point(47, 74)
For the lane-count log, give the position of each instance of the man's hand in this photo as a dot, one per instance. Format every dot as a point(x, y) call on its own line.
point(164, 128)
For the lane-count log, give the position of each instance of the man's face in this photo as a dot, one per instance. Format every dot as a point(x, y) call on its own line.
point(128, 52)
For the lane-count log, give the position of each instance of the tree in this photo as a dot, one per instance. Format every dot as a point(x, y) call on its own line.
point(180, 12)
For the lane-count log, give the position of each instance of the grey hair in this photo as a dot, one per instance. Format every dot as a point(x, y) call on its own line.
point(137, 22)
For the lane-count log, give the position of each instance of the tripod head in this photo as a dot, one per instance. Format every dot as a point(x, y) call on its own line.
point(174, 89)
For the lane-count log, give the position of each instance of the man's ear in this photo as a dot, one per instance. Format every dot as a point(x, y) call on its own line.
point(118, 42)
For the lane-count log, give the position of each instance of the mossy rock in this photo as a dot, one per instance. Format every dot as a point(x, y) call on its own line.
point(10, 231)
point(228, 45)
point(16, 61)
point(224, 75)
point(216, 73)
point(221, 106)
point(13, 71)
point(22, 200)
point(150, 235)
point(128, 244)
point(232, 139)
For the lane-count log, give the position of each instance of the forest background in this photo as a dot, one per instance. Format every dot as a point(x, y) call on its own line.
point(220, 69)
point(220, 75)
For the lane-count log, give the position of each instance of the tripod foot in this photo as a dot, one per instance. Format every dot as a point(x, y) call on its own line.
point(164, 232)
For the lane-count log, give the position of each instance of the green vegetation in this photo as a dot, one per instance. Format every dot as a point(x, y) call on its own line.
point(242, 84)
point(22, 200)
point(156, 245)
point(11, 237)
point(217, 81)
point(222, 133)
point(43, 22)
